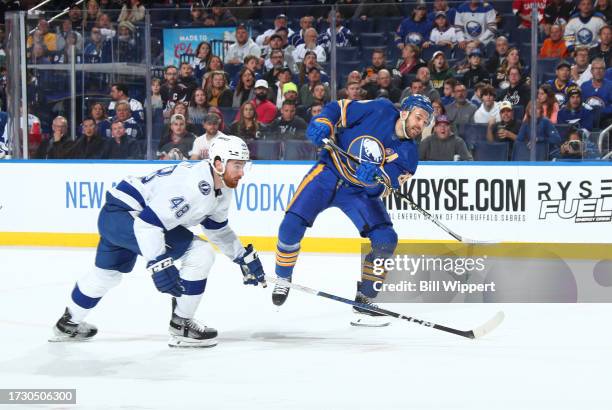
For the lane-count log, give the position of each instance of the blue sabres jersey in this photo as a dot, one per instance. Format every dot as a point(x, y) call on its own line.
point(366, 129)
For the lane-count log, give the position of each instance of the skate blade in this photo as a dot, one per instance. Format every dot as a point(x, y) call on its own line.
point(59, 337)
point(181, 343)
point(370, 322)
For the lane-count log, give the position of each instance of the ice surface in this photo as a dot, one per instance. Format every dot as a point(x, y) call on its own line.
point(305, 356)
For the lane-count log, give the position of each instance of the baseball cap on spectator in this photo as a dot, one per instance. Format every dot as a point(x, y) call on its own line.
point(177, 117)
point(283, 69)
point(475, 52)
point(278, 30)
point(212, 118)
point(436, 54)
point(313, 69)
point(130, 26)
point(420, 6)
point(573, 90)
point(281, 16)
point(505, 105)
point(442, 118)
point(289, 87)
point(440, 14)
point(275, 35)
point(261, 84)
point(242, 26)
point(563, 63)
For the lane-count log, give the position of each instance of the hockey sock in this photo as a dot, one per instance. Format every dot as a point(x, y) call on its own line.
point(290, 235)
point(89, 290)
point(187, 304)
point(384, 241)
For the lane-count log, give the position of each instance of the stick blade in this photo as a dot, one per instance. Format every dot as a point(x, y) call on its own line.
point(489, 326)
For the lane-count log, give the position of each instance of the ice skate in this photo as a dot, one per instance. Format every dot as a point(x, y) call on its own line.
point(65, 330)
point(280, 293)
point(190, 333)
point(367, 318)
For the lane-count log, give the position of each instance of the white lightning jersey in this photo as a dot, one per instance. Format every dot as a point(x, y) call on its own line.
point(178, 195)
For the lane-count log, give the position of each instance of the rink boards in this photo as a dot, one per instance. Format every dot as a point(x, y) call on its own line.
point(55, 203)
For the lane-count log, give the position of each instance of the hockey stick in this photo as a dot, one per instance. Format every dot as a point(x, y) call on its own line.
point(475, 333)
point(405, 197)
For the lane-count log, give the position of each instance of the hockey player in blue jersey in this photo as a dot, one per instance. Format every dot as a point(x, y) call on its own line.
point(383, 138)
point(149, 216)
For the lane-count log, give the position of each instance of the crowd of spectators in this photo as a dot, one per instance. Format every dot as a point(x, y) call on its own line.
point(471, 58)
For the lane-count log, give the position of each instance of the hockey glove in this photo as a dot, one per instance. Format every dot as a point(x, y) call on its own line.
point(367, 173)
point(165, 276)
point(316, 132)
point(252, 270)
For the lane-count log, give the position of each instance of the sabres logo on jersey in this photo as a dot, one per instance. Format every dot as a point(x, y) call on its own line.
point(473, 28)
point(366, 148)
point(414, 38)
point(584, 36)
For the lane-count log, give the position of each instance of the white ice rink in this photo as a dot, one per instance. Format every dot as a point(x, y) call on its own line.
point(305, 356)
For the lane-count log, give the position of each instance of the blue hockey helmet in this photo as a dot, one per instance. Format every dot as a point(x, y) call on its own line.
point(417, 100)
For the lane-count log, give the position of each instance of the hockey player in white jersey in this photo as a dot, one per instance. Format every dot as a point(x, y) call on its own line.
point(149, 216)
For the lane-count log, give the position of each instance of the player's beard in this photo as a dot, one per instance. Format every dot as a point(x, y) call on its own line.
point(414, 132)
point(230, 182)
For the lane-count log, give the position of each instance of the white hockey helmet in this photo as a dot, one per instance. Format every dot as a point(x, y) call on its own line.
point(227, 147)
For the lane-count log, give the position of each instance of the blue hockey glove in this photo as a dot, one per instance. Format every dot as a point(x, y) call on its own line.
point(252, 270)
point(367, 172)
point(165, 276)
point(316, 132)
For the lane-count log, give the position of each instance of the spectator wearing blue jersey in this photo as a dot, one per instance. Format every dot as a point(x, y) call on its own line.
point(297, 38)
point(120, 92)
point(576, 113)
point(597, 92)
point(124, 115)
point(100, 116)
point(414, 29)
point(441, 6)
point(344, 37)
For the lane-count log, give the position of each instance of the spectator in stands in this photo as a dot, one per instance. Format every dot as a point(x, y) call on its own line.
point(500, 79)
point(121, 145)
point(76, 17)
point(283, 76)
point(414, 29)
point(517, 92)
point(254, 64)
point(104, 23)
point(243, 47)
point(499, 55)
point(279, 21)
point(120, 92)
point(443, 145)
point(463, 65)
point(379, 62)
point(583, 28)
point(383, 82)
point(476, 97)
point(125, 46)
point(576, 146)
point(275, 60)
point(554, 46)
point(92, 14)
point(557, 12)
point(581, 69)
point(156, 100)
point(475, 21)
point(215, 64)
point(90, 145)
point(297, 38)
point(201, 60)
point(597, 92)
point(134, 12)
point(100, 116)
point(421, 85)
point(439, 70)
point(410, 62)
point(131, 126)
point(245, 90)
point(310, 44)
point(307, 90)
point(179, 140)
point(548, 102)
point(461, 111)
point(522, 10)
point(242, 9)
point(59, 144)
point(352, 90)
point(219, 16)
point(476, 73)
point(489, 109)
point(506, 129)
point(441, 6)
point(562, 82)
point(546, 131)
point(66, 30)
point(182, 108)
point(50, 40)
point(310, 63)
point(603, 49)
point(246, 127)
point(39, 55)
point(266, 110)
point(198, 109)
point(604, 7)
point(448, 92)
point(218, 94)
point(438, 110)
point(186, 80)
point(314, 110)
point(288, 126)
point(171, 91)
point(197, 15)
point(97, 49)
point(576, 113)
point(344, 37)
point(443, 33)
point(201, 144)
point(290, 92)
